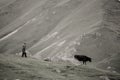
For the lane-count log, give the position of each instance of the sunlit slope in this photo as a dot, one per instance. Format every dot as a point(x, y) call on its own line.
point(82, 20)
point(54, 28)
point(34, 24)
point(11, 10)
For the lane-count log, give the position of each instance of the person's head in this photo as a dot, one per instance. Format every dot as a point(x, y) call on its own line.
point(24, 43)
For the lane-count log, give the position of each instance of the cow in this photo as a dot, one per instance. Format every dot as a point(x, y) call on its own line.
point(83, 58)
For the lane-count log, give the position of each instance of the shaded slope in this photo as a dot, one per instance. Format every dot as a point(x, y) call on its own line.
point(104, 44)
point(111, 63)
point(14, 67)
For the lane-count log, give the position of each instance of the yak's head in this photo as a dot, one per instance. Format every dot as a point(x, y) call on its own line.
point(90, 60)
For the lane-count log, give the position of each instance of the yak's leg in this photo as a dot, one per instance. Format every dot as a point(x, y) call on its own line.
point(83, 62)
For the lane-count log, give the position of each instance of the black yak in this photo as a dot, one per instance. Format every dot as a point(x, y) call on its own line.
point(83, 58)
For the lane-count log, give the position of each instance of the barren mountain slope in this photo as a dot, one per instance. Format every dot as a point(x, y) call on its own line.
point(58, 29)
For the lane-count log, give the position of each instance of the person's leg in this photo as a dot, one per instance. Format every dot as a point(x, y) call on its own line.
point(22, 54)
point(25, 54)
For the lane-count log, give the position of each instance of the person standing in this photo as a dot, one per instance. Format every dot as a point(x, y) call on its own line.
point(24, 54)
